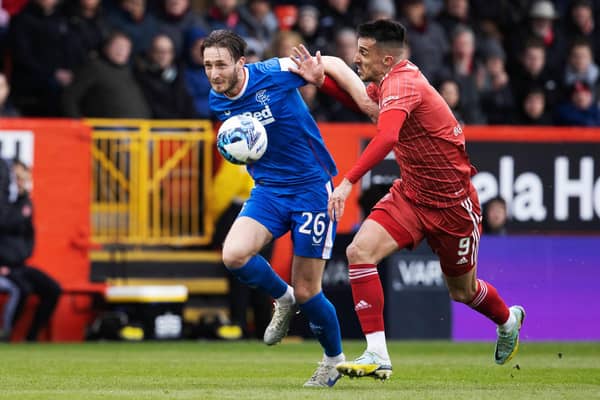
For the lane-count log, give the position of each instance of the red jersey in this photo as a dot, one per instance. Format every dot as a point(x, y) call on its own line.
point(430, 150)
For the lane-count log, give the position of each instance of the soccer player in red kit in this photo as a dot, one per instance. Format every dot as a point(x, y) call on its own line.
point(433, 200)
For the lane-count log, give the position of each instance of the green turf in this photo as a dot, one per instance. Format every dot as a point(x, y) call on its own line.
point(250, 370)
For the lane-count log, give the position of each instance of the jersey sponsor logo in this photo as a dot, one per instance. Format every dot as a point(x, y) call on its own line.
point(457, 130)
point(388, 99)
point(264, 116)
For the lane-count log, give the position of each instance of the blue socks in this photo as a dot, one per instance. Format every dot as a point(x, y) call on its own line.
point(258, 273)
point(319, 311)
point(324, 323)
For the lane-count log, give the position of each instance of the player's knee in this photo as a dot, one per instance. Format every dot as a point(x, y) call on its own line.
point(461, 295)
point(305, 292)
point(234, 258)
point(302, 294)
point(356, 254)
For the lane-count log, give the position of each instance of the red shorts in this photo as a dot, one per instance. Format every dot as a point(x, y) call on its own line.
point(452, 233)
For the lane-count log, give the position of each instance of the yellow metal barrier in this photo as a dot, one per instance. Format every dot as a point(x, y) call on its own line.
point(150, 181)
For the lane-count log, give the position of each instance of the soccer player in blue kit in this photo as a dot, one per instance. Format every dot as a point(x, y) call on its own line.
point(292, 186)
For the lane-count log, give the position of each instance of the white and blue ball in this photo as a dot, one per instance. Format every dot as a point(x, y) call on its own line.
point(242, 139)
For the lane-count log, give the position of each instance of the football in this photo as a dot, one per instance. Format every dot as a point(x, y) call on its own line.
point(242, 139)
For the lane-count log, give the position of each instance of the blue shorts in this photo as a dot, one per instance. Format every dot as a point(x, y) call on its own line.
point(304, 213)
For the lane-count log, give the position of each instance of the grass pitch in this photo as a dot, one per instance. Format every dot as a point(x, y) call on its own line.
point(250, 370)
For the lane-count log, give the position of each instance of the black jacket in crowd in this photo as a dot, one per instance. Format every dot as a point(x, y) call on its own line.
point(16, 229)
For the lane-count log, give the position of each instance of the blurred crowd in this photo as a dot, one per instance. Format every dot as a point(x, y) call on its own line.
point(526, 62)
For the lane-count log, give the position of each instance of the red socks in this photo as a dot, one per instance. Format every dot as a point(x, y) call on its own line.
point(488, 302)
point(368, 299)
point(368, 296)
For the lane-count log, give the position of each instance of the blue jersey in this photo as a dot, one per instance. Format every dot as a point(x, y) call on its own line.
point(296, 154)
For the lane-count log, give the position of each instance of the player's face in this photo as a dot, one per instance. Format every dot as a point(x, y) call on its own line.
point(369, 61)
point(222, 70)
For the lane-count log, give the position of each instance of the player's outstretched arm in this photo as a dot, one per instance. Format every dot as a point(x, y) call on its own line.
point(315, 69)
point(337, 200)
point(347, 79)
point(388, 129)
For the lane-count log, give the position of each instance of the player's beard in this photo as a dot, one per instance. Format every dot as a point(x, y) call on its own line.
point(232, 84)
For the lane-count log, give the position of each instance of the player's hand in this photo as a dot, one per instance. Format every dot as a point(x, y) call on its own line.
point(337, 200)
point(309, 67)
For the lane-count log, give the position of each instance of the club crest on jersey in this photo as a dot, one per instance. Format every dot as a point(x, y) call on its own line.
point(262, 97)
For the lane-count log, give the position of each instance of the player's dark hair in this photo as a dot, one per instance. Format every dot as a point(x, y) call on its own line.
point(228, 40)
point(384, 32)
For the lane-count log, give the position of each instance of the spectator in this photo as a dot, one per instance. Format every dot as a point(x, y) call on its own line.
point(541, 25)
point(260, 23)
point(4, 25)
point(9, 220)
point(495, 216)
point(581, 25)
point(105, 86)
point(283, 43)
point(195, 77)
point(16, 246)
point(175, 19)
point(426, 38)
point(454, 13)
point(462, 66)
point(10, 306)
point(580, 109)
point(497, 100)
point(505, 15)
point(450, 91)
point(345, 45)
point(42, 56)
point(532, 72)
point(433, 7)
point(381, 9)
point(337, 14)
point(533, 109)
point(581, 67)
point(88, 26)
point(163, 83)
point(132, 18)
point(6, 108)
point(307, 26)
point(223, 14)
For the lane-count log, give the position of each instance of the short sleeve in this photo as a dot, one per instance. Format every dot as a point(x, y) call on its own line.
point(278, 69)
point(399, 93)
